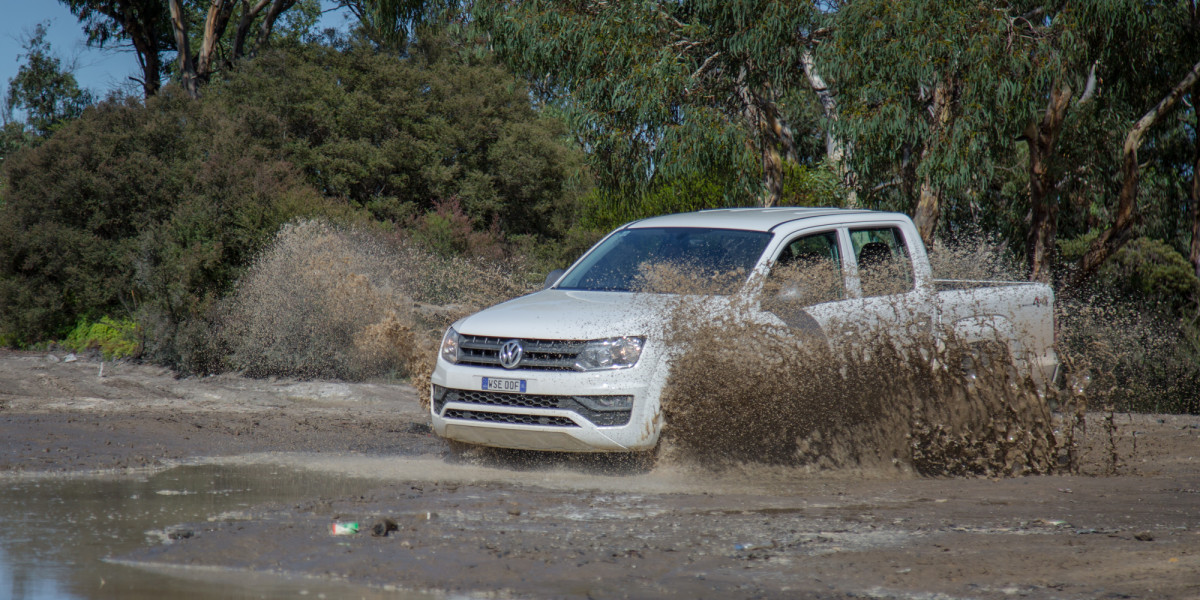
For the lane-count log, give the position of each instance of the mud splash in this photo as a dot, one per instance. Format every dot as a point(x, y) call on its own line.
point(749, 393)
point(881, 395)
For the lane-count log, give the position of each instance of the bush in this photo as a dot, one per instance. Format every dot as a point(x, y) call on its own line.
point(1134, 333)
point(113, 338)
point(329, 301)
point(605, 209)
point(399, 137)
point(149, 211)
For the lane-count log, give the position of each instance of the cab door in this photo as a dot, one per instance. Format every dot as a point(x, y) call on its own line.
point(808, 281)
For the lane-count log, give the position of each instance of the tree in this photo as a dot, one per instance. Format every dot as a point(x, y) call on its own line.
point(145, 24)
point(400, 136)
point(1194, 248)
point(152, 209)
point(43, 89)
point(931, 97)
point(194, 70)
point(665, 89)
point(1121, 230)
point(391, 24)
point(157, 26)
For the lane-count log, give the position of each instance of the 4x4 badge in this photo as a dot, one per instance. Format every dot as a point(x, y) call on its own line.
point(510, 354)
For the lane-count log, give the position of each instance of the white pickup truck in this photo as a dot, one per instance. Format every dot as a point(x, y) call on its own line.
point(581, 365)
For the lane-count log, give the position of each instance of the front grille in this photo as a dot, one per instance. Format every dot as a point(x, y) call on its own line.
point(541, 355)
point(575, 404)
point(489, 417)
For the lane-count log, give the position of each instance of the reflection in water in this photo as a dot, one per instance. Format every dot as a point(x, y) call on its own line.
point(56, 532)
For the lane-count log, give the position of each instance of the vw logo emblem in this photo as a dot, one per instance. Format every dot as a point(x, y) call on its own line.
point(510, 354)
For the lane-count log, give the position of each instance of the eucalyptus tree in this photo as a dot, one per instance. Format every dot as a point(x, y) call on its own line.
point(217, 15)
point(391, 24)
point(144, 24)
point(155, 27)
point(1194, 191)
point(934, 97)
point(665, 88)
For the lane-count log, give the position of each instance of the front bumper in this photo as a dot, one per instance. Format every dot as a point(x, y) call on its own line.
point(556, 412)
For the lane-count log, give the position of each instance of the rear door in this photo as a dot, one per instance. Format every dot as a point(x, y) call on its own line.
point(889, 295)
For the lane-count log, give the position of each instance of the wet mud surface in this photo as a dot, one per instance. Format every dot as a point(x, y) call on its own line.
point(494, 525)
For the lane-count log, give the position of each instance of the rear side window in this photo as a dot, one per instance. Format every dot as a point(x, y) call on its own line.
point(883, 264)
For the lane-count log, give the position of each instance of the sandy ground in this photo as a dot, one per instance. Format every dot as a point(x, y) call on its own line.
point(520, 526)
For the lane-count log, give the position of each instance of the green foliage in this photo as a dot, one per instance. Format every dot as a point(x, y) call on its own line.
point(1150, 270)
point(802, 186)
point(890, 59)
point(447, 231)
point(654, 89)
point(13, 136)
point(45, 91)
point(604, 209)
point(150, 209)
point(812, 186)
point(398, 136)
point(143, 24)
point(390, 24)
point(112, 337)
point(1136, 333)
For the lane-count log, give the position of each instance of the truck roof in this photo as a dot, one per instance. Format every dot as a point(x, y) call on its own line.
point(749, 219)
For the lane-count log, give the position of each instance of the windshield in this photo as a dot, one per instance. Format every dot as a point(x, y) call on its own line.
point(670, 260)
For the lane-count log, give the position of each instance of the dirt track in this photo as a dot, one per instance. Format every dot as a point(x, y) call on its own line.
point(605, 529)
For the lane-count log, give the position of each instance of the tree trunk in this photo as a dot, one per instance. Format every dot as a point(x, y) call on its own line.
point(268, 22)
point(774, 137)
point(1111, 239)
point(141, 34)
point(836, 152)
point(1043, 226)
point(219, 13)
point(187, 68)
point(1194, 255)
point(249, 13)
point(929, 203)
point(150, 63)
point(928, 206)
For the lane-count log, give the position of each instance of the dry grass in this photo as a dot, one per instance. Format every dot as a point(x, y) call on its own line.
point(323, 301)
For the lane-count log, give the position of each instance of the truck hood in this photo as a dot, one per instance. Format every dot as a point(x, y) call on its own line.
point(573, 315)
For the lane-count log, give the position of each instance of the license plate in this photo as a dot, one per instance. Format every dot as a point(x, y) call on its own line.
point(495, 384)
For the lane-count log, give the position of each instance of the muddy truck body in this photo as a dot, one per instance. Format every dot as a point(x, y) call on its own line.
point(581, 365)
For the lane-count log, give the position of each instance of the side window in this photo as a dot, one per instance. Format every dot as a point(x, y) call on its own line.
point(883, 264)
point(808, 271)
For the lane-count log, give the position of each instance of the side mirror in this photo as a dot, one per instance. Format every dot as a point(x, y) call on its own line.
point(552, 278)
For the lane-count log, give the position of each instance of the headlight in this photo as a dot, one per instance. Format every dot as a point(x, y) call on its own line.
point(613, 353)
point(450, 343)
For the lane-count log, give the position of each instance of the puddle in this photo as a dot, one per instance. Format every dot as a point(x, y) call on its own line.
point(59, 536)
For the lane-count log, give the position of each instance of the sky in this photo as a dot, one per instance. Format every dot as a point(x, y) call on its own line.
point(99, 70)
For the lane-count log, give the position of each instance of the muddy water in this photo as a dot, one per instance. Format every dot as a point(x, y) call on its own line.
point(63, 537)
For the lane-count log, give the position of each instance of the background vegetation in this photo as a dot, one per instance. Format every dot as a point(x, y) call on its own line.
point(515, 132)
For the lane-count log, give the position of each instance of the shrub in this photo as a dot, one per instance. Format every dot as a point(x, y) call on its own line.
point(112, 337)
point(330, 301)
point(401, 136)
point(1134, 332)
